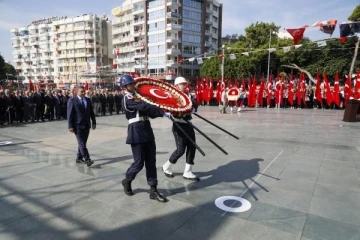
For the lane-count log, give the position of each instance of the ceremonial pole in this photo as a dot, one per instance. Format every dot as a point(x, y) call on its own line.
point(268, 69)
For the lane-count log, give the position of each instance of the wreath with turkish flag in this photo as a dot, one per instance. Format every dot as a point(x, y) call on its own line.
point(163, 95)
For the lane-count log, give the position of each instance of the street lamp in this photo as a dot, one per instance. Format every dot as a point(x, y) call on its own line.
point(268, 70)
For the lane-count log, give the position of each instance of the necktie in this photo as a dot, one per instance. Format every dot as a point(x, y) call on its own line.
point(82, 101)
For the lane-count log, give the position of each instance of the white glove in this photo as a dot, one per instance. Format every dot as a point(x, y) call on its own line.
point(167, 114)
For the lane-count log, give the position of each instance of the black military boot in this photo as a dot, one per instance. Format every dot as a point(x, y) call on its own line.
point(127, 187)
point(155, 195)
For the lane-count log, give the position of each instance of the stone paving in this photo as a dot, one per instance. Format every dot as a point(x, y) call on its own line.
point(299, 169)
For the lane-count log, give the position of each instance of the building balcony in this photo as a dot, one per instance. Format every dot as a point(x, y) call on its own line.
point(173, 27)
point(138, 55)
point(207, 44)
point(61, 30)
point(209, 11)
point(173, 15)
point(15, 37)
point(173, 51)
point(60, 48)
point(69, 38)
point(69, 29)
point(80, 54)
point(208, 33)
point(121, 30)
point(138, 11)
point(44, 50)
point(16, 44)
point(173, 40)
point(17, 60)
point(34, 42)
point(44, 33)
point(62, 56)
point(172, 63)
point(45, 58)
point(138, 44)
point(208, 21)
point(173, 4)
point(122, 19)
point(139, 22)
point(70, 46)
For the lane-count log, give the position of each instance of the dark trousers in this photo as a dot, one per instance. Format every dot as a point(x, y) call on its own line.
point(82, 137)
point(143, 153)
point(40, 109)
point(103, 109)
point(183, 144)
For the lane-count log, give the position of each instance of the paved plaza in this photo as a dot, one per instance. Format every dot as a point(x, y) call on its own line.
point(299, 169)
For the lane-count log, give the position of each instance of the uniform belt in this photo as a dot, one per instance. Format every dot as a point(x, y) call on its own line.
point(180, 120)
point(138, 119)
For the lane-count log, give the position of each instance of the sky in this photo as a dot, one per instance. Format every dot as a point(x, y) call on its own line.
point(237, 14)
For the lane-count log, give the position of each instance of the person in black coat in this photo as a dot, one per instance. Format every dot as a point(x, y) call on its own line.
point(29, 107)
point(118, 100)
point(40, 105)
point(102, 98)
point(110, 102)
point(141, 138)
point(79, 114)
point(19, 106)
point(9, 105)
point(50, 105)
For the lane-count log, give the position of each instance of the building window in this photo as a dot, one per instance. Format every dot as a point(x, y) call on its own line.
point(191, 38)
point(187, 72)
point(191, 49)
point(191, 26)
point(214, 30)
point(215, 19)
point(156, 14)
point(215, 8)
point(192, 4)
point(191, 15)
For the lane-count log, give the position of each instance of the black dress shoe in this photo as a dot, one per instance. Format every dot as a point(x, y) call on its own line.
point(127, 187)
point(155, 195)
point(89, 162)
point(80, 160)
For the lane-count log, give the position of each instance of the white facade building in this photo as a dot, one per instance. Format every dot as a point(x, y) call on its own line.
point(152, 37)
point(62, 49)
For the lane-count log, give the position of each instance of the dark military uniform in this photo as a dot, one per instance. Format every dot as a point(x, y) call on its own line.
point(182, 143)
point(141, 137)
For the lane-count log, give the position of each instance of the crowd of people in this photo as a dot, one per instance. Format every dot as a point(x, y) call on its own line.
point(25, 106)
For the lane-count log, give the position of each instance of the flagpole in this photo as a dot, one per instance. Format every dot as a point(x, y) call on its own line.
point(268, 69)
point(223, 63)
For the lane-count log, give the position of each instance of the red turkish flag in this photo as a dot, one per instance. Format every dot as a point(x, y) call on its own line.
point(297, 33)
point(218, 92)
point(337, 91)
point(318, 89)
point(328, 94)
point(347, 89)
point(261, 90)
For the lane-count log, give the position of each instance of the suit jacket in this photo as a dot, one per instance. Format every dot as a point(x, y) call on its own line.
point(79, 117)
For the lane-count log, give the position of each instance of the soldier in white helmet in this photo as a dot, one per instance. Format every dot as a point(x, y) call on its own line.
point(182, 143)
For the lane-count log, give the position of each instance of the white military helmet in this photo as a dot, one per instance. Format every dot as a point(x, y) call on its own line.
point(179, 80)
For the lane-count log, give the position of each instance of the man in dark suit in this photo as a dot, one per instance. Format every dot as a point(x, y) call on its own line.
point(79, 112)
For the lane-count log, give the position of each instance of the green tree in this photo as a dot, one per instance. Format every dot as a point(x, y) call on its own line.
point(9, 69)
point(2, 68)
point(355, 16)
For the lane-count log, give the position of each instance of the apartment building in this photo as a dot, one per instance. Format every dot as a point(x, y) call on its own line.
point(63, 50)
point(155, 37)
